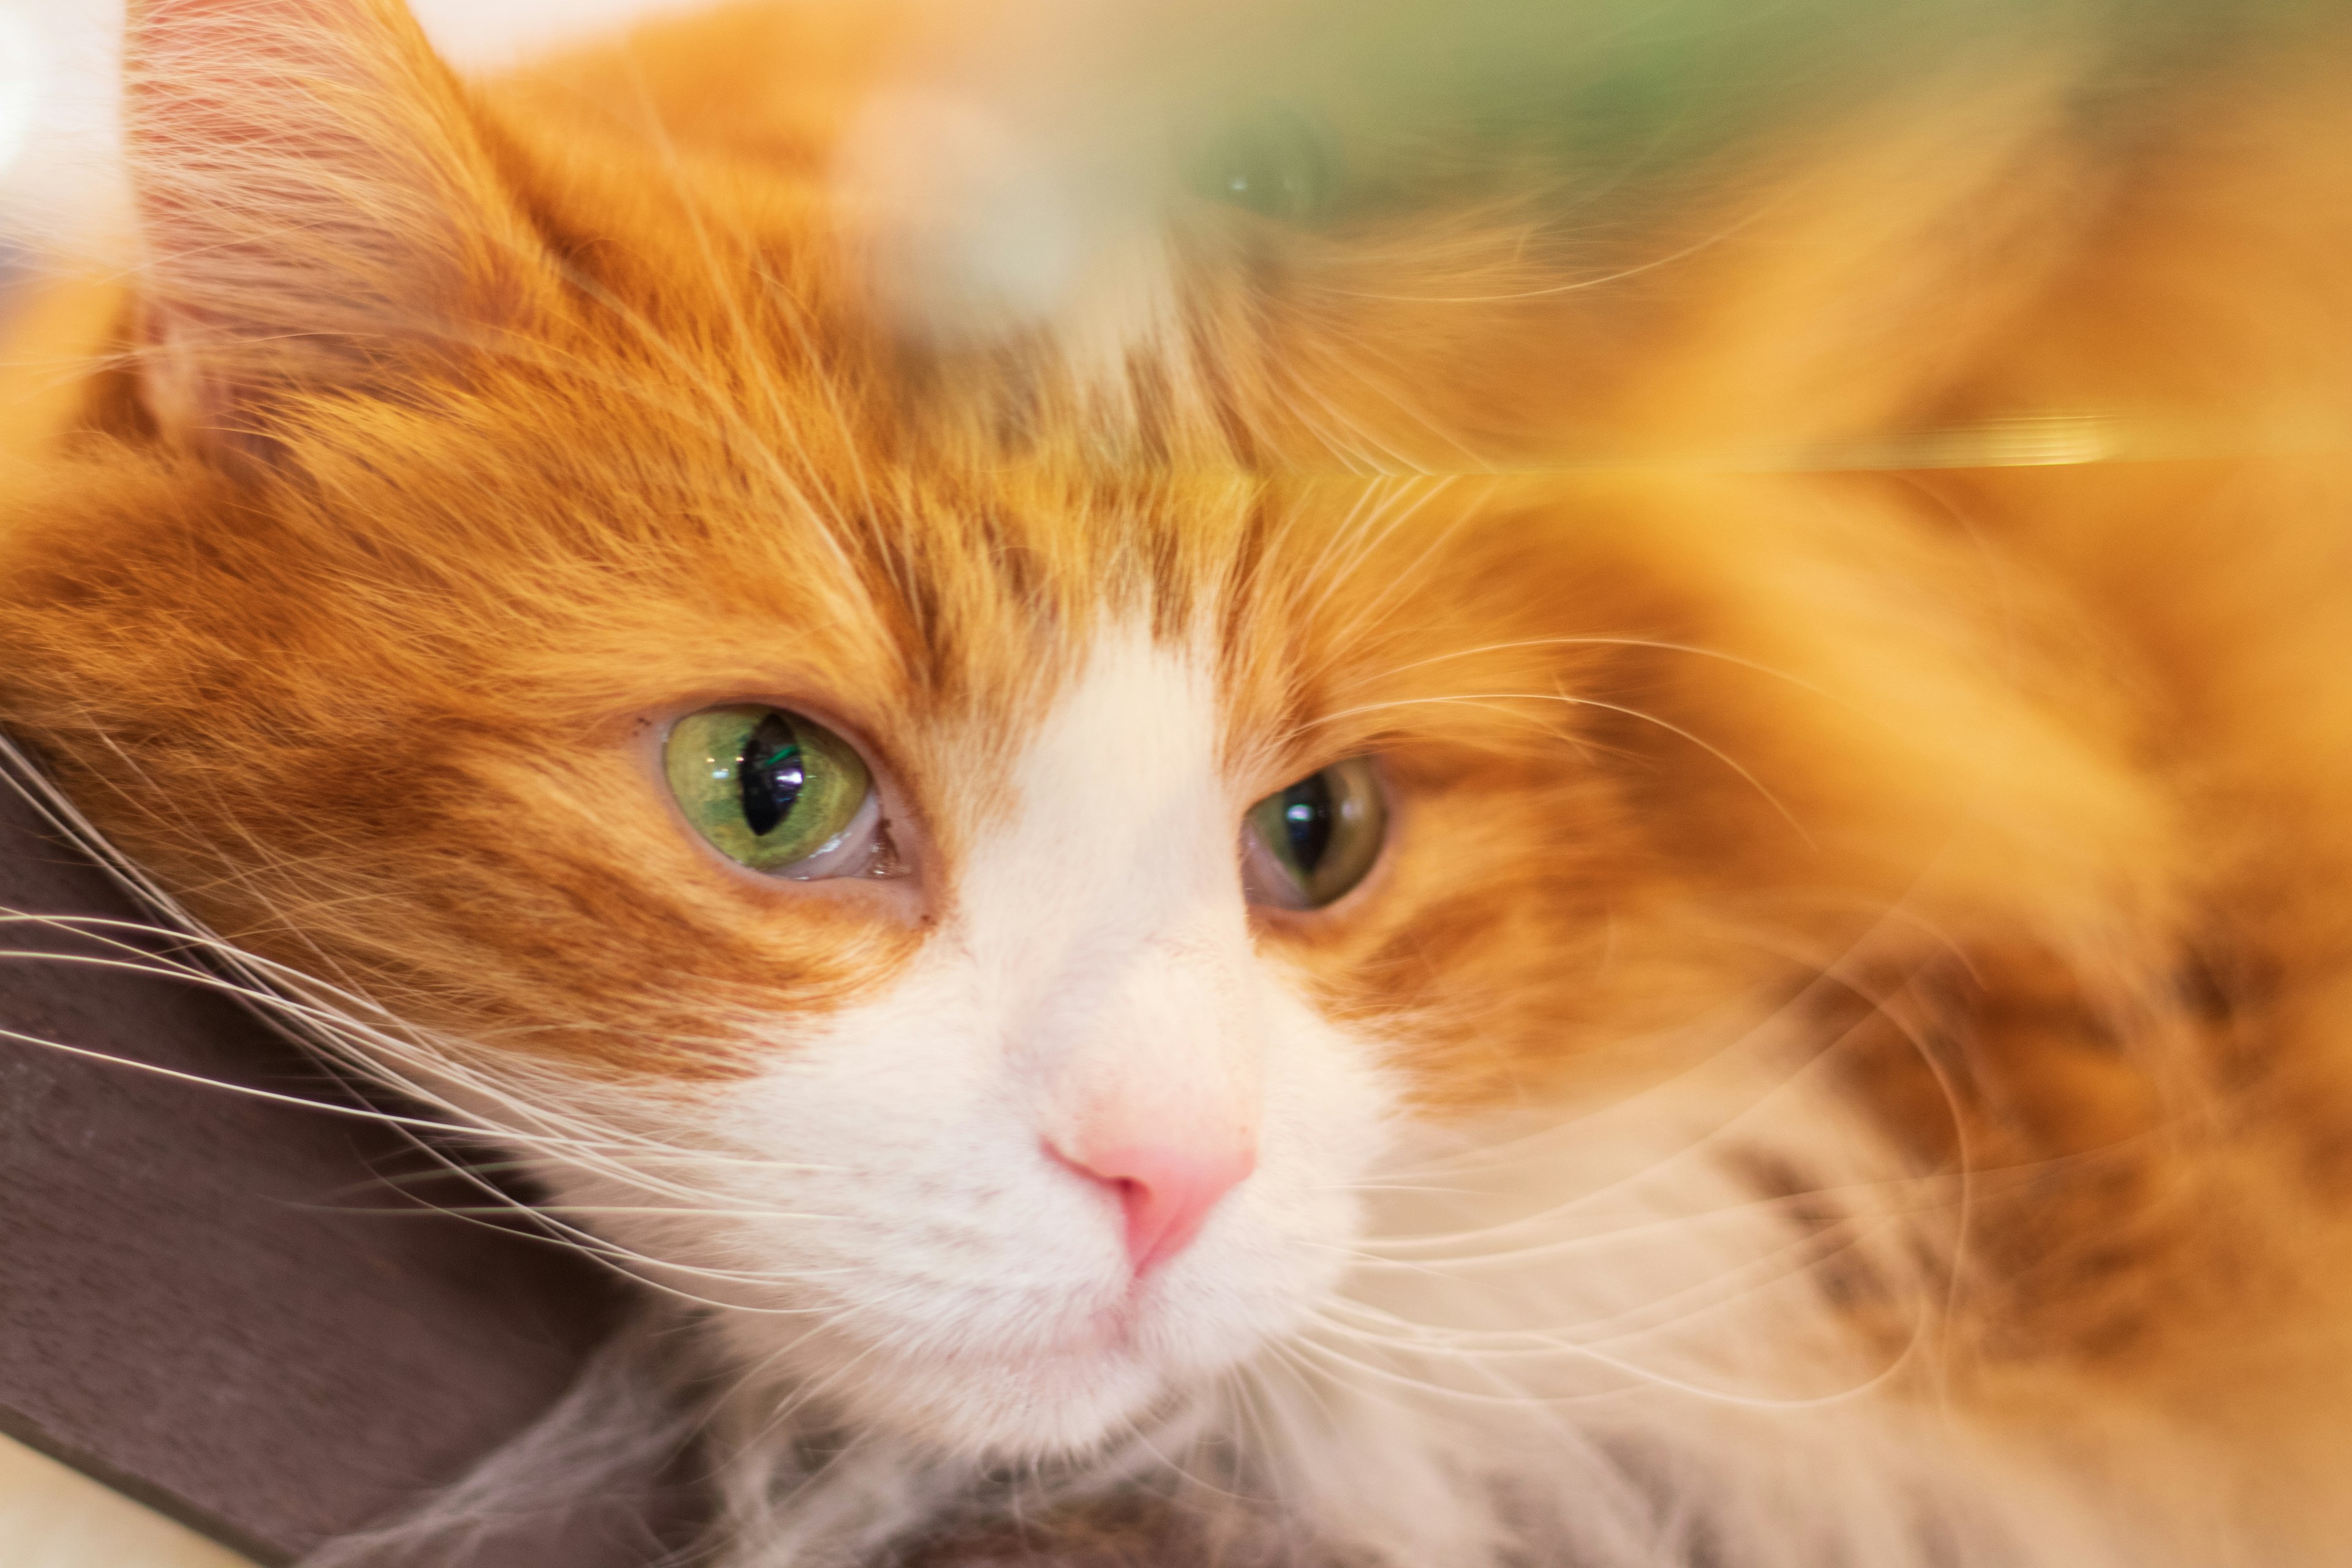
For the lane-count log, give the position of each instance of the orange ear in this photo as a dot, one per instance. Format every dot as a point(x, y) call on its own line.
point(318, 204)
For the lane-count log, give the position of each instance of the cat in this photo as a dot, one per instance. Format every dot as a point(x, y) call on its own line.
point(1451, 886)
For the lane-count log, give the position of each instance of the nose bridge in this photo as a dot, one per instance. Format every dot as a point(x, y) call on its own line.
point(1118, 821)
point(1165, 1016)
point(1184, 997)
point(1105, 910)
point(1147, 941)
point(1152, 869)
point(1153, 1097)
point(1110, 898)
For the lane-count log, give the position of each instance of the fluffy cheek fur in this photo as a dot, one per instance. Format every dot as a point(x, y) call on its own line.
point(879, 1211)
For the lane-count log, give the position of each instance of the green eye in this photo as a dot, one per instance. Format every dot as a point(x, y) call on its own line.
point(1305, 846)
point(774, 790)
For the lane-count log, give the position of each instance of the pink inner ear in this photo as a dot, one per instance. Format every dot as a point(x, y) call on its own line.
point(310, 189)
point(248, 122)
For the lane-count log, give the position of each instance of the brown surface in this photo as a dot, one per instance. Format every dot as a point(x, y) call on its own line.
point(202, 1303)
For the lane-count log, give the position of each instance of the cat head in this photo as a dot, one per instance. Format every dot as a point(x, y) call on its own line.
point(964, 903)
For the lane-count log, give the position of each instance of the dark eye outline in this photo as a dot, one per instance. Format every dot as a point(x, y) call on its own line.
point(1362, 813)
point(861, 848)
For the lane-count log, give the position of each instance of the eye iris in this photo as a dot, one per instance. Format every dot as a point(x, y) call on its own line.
point(767, 788)
point(1317, 838)
point(770, 774)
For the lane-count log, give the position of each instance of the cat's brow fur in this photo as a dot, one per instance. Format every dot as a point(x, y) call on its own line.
point(1849, 1030)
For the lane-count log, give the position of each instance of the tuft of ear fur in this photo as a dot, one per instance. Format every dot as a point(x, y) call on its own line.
point(317, 204)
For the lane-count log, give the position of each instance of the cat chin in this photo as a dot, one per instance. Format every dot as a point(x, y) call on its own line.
point(1047, 1400)
point(1012, 1411)
point(993, 1409)
point(1061, 1386)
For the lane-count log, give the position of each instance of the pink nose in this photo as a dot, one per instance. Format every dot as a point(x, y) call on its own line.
point(1166, 1192)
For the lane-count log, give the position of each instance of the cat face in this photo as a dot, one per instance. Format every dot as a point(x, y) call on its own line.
point(925, 1205)
point(476, 452)
point(889, 1127)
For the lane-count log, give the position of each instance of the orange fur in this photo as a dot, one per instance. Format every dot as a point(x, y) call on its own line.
point(2025, 786)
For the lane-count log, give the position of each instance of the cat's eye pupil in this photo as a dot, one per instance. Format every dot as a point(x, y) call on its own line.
point(770, 774)
point(1307, 820)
